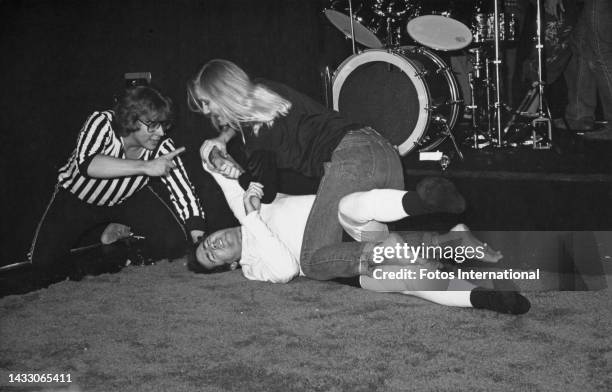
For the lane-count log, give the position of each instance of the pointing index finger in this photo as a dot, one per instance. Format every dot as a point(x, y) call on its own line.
point(174, 153)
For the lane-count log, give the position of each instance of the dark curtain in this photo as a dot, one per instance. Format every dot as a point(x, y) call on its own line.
point(63, 59)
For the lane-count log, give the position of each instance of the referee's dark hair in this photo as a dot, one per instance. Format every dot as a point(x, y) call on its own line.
point(138, 102)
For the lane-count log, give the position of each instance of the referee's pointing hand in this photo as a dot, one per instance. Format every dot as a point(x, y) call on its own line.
point(163, 164)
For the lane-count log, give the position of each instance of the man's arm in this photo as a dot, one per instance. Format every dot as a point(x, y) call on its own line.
point(261, 167)
point(232, 191)
point(266, 258)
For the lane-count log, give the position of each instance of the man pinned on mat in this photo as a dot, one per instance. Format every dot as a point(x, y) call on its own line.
point(107, 179)
point(284, 129)
point(267, 244)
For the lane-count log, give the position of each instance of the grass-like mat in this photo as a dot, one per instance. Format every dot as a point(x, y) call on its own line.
point(162, 328)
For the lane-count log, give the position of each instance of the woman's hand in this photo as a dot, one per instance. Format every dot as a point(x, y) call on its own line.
point(228, 167)
point(209, 145)
point(252, 197)
point(224, 164)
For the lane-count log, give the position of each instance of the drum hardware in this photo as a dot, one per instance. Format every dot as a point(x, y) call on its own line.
point(497, 63)
point(352, 19)
point(482, 116)
point(441, 120)
point(439, 32)
point(404, 104)
point(351, 26)
point(393, 12)
point(473, 108)
point(491, 108)
point(475, 118)
point(477, 60)
point(542, 121)
point(541, 135)
point(489, 28)
point(370, 20)
point(534, 103)
point(488, 99)
point(326, 81)
point(444, 162)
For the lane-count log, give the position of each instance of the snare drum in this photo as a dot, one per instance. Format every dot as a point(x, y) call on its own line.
point(410, 96)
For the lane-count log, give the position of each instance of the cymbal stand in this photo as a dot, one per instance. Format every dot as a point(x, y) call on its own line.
point(392, 13)
point(542, 121)
point(497, 62)
point(473, 108)
point(489, 98)
point(480, 97)
point(352, 26)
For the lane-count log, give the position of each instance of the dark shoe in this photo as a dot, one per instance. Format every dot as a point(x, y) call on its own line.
point(509, 302)
point(604, 134)
point(566, 124)
point(440, 195)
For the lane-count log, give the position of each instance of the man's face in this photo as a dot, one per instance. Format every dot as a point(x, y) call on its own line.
point(149, 133)
point(219, 248)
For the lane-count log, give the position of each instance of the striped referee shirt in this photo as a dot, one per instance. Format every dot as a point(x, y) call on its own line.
point(98, 137)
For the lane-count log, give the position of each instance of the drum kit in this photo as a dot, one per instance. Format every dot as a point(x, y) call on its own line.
point(402, 86)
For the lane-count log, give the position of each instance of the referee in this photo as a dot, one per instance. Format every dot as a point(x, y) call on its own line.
point(107, 179)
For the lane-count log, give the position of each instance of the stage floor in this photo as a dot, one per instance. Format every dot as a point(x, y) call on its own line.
point(565, 188)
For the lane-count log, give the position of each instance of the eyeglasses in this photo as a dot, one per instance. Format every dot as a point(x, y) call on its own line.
point(154, 126)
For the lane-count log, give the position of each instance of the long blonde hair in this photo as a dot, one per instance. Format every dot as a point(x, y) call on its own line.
point(236, 98)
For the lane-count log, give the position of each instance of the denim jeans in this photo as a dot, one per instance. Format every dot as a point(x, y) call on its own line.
point(363, 160)
point(590, 69)
point(348, 259)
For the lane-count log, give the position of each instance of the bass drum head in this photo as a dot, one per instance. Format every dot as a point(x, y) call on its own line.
point(363, 35)
point(439, 32)
point(381, 89)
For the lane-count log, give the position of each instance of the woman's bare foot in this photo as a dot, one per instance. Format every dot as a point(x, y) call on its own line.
point(468, 239)
point(115, 232)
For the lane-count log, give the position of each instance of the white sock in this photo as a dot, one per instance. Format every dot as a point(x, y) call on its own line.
point(457, 294)
point(382, 205)
point(447, 298)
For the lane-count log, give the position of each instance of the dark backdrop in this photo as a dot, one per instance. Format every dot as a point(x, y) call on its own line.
point(60, 60)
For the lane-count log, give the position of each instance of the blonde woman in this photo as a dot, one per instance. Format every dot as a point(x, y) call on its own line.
point(284, 129)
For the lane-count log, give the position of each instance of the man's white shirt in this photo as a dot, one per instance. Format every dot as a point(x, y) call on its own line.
point(272, 237)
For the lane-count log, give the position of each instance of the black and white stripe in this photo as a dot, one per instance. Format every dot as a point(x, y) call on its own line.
point(177, 181)
point(97, 137)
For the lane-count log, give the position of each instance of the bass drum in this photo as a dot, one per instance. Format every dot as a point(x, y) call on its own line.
point(410, 96)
